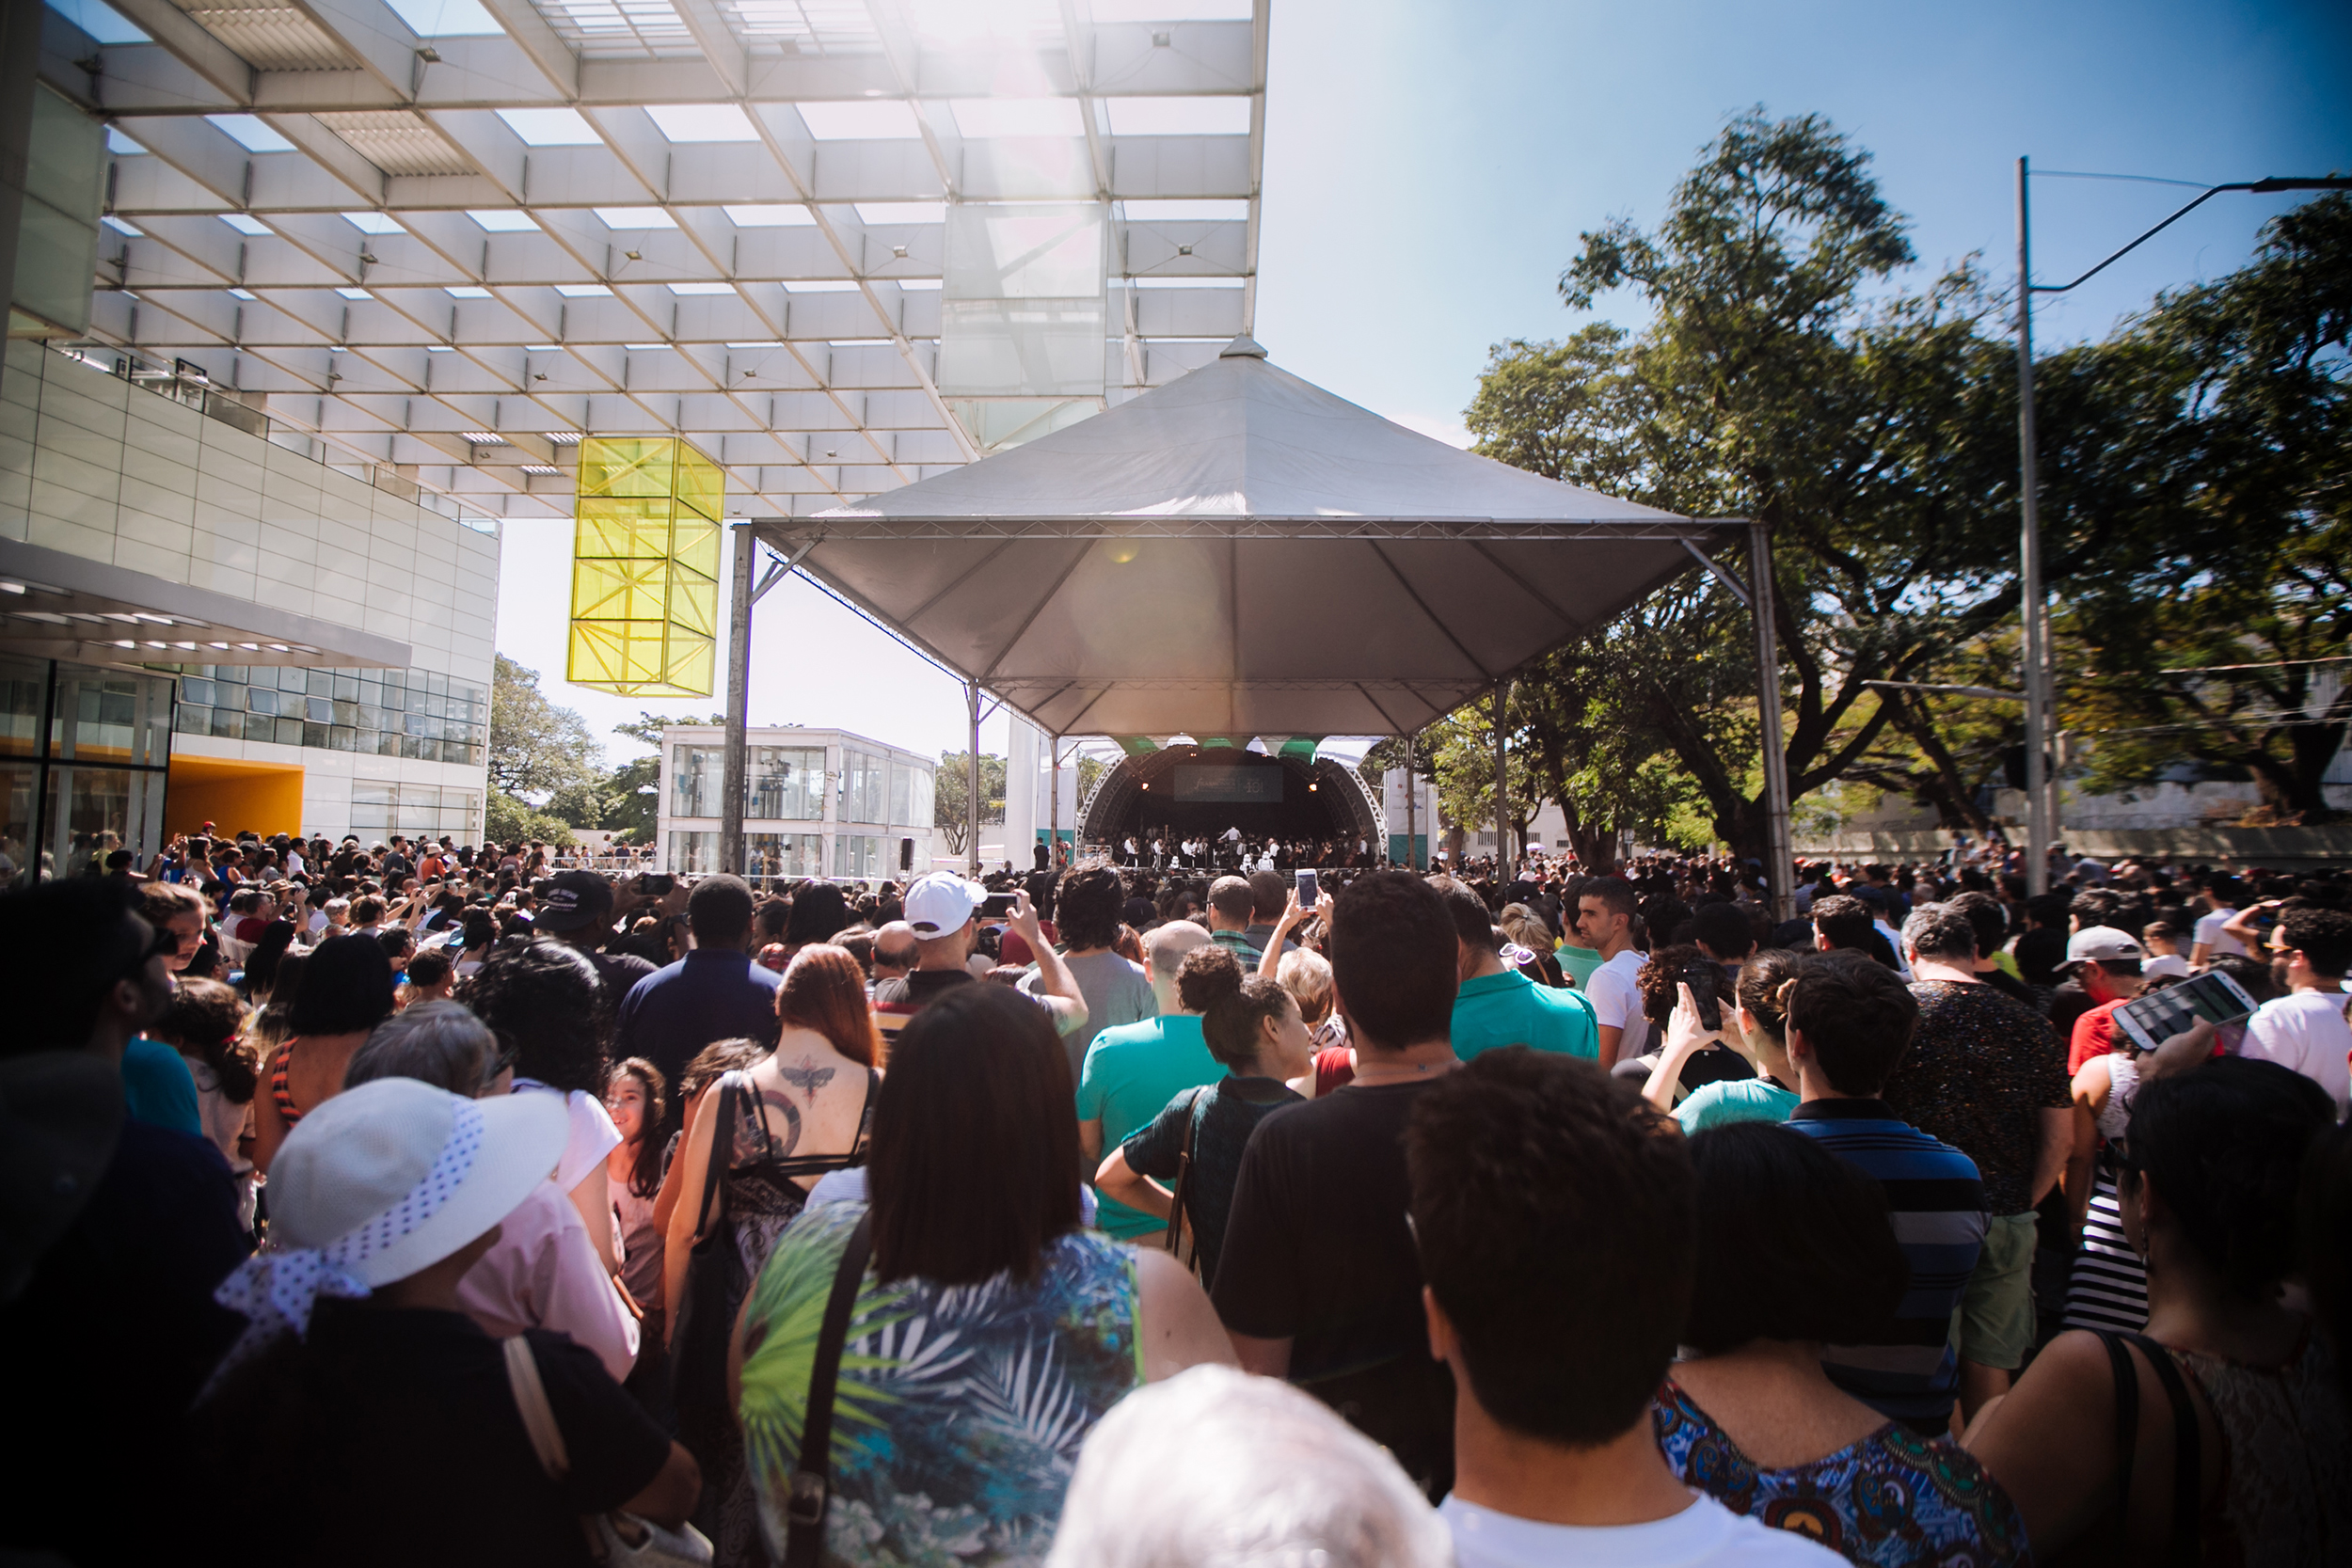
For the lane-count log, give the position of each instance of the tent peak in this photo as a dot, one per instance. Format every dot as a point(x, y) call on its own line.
point(1243, 347)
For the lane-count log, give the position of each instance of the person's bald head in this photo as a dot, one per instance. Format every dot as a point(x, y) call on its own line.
point(1164, 950)
point(894, 951)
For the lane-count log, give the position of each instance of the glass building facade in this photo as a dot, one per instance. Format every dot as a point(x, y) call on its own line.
point(391, 713)
point(824, 804)
point(83, 754)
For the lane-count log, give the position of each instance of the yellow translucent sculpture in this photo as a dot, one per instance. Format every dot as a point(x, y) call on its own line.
point(645, 568)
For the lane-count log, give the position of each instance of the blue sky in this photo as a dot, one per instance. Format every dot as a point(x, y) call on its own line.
point(1428, 169)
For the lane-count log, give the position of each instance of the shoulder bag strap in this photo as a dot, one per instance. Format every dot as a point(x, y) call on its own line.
point(812, 1478)
point(722, 1154)
point(2126, 1417)
point(2188, 1473)
point(1183, 1178)
point(531, 1398)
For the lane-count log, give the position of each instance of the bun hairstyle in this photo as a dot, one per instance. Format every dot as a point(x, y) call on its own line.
point(1764, 982)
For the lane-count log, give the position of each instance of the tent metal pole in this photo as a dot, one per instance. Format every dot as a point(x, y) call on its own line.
point(972, 783)
point(1053, 800)
point(1779, 857)
point(1413, 800)
point(1502, 852)
point(732, 781)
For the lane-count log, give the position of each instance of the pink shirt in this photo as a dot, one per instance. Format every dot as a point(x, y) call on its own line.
point(544, 1272)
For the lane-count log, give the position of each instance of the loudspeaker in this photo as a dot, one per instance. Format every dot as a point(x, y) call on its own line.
point(906, 854)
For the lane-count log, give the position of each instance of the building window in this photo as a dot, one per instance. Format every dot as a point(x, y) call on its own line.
point(858, 855)
point(693, 854)
point(862, 786)
point(786, 784)
point(770, 858)
point(392, 713)
point(393, 806)
point(911, 796)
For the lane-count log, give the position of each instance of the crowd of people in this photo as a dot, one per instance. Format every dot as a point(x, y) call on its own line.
point(409, 1202)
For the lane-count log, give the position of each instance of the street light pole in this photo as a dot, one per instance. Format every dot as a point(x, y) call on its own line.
point(2041, 799)
point(2032, 607)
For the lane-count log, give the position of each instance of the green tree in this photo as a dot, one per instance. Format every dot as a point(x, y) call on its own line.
point(536, 748)
point(508, 820)
point(1776, 380)
point(2214, 649)
point(626, 800)
point(951, 791)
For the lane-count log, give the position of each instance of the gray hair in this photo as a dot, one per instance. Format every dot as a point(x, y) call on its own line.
point(440, 1043)
point(1941, 933)
point(1214, 1468)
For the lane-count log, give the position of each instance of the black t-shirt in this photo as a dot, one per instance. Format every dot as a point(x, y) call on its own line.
point(113, 1335)
point(1228, 1110)
point(1317, 1250)
point(619, 972)
point(2011, 987)
point(922, 987)
point(415, 1452)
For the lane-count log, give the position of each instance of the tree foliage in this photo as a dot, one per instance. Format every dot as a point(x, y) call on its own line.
point(2212, 647)
point(951, 792)
point(536, 748)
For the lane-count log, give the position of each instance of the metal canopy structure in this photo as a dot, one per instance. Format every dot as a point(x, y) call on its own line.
point(1240, 553)
point(451, 246)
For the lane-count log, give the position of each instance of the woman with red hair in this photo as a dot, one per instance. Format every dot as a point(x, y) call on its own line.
point(768, 1132)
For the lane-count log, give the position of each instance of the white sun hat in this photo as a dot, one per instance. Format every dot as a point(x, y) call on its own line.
point(380, 1182)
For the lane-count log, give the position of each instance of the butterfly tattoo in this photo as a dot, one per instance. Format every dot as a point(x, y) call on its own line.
point(807, 1077)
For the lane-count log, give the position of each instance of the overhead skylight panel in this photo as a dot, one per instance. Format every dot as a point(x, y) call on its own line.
point(703, 122)
point(1017, 117)
point(1179, 117)
point(870, 120)
point(551, 127)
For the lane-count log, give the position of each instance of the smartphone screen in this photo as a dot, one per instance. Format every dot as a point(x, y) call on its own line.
point(1309, 890)
point(2149, 1021)
point(996, 906)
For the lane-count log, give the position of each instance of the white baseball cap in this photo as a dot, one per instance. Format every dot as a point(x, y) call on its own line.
point(942, 904)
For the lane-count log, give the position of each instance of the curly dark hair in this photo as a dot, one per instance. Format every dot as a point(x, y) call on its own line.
point(1230, 1028)
point(2225, 1147)
point(205, 1020)
point(1554, 1225)
point(1088, 900)
point(1661, 980)
point(1207, 977)
point(545, 1004)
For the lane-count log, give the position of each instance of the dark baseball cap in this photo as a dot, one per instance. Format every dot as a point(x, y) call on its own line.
point(572, 901)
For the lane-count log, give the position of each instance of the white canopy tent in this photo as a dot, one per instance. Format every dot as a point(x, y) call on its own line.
point(1237, 553)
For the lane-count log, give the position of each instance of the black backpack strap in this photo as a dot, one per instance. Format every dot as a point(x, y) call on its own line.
point(2126, 1417)
point(812, 1478)
point(2188, 1474)
point(1181, 1194)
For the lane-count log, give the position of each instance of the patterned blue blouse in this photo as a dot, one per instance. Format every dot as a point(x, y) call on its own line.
point(1894, 1499)
point(959, 1410)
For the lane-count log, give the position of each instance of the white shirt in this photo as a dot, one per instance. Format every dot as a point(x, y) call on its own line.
point(2306, 1031)
point(1616, 994)
point(590, 1137)
point(1704, 1535)
point(2210, 933)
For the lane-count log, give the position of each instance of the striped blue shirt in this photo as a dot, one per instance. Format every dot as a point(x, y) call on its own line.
point(1937, 1201)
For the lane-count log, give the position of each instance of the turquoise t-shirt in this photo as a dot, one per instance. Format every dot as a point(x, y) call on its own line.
point(1578, 963)
point(1130, 1075)
point(1720, 1104)
point(158, 1088)
point(1511, 1009)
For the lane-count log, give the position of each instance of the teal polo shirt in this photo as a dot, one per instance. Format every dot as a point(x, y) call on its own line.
point(1578, 963)
point(1511, 1009)
point(1130, 1075)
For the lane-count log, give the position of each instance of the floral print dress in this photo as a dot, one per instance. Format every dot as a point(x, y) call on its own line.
point(960, 1408)
point(1894, 1499)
